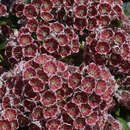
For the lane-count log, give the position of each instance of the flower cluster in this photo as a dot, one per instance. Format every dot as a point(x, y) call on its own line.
point(44, 89)
point(61, 95)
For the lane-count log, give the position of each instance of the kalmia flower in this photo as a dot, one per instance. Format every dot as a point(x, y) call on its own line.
point(2, 10)
point(46, 5)
point(30, 11)
point(67, 59)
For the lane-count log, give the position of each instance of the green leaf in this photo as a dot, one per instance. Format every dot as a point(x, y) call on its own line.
point(2, 46)
point(1, 57)
point(124, 123)
point(118, 112)
point(2, 22)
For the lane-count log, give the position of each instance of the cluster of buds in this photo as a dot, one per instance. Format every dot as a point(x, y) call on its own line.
point(41, 91)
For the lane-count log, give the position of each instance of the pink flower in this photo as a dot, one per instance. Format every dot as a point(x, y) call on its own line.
point(57, 27)
point(53, 124)
point(93, 70)
point(29, 73)
point(3, 10)
point(37, 84)
point(50, 112)
point(30, 50)
point(80, 11)
point(42, 59)
point(88, 84)
point(46, 5)
point(5, 125)
point(62, 39)
point(46, 16)
point(50, 68)
point(104, 8)
point(79, 123)
point(72, 109)
point(85, 110)
point(102, 47)
point(74, 80)
point(48, 98)
point(30, 11)
point(25, 39)
point(32, 25)
point(92, 119)
point(101, 87)
point(42, 33)
point(55, 83)
point(51, 45)
point(64, 51)
point(10, 114)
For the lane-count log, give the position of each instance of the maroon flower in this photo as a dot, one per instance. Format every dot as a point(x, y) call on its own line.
point(85, 110)
point(55, 83)
point(65, 127)
point(75, 45)
point(101, 87)
point(46, 16)
point(72, 109)
point(30, 11)
point(14, 124)
point(80, 11)
point(93, 70)
point(92, 24)
point(37, 84)
point(37, 3)
point(30, 50)
point(48, 98)
point(104, 20)
point(84, 2)
point(28, 73)
point(29, 105)
point(37, 113)
point(118, 9)
point(25, 39)
point(102, 47)
point(106, 34)
point(105, 74)
point(17, 53)
point(57, 27)
point(74, 80)
point(92, 11)
point(91, 120)
point(119, 38)
point(88, 84)
point(5, 125)
point(2, 10)
point(46, 5)
point(64, 51)
point(62, 39)
point(50, 112)
point(32, 25)
point(53, 124)
point(79, 123)
point(42, 75)
point(125, 50)
point(69, 32)
point(51, 45)
point(42, 33)
point(94, 100)
point(50, 68)
point(79, 97)
point(104, 8)
point(42, 59)
point(80, 23)
point(10, 114)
